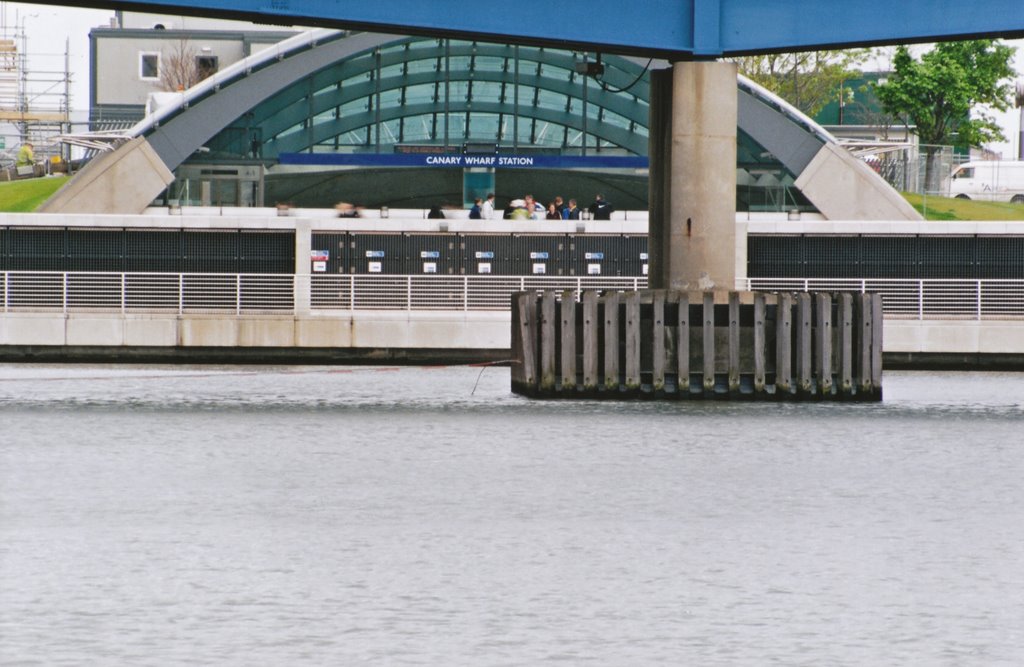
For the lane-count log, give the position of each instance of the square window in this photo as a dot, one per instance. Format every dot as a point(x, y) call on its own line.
point(149, 66)
point(206, 66)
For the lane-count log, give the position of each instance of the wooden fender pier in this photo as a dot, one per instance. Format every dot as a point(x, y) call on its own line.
point(697, 345)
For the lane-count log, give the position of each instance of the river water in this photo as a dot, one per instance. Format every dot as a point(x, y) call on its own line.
point(368, 516)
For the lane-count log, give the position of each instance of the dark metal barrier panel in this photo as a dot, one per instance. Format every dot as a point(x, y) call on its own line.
point(330, 252)
point(153, 251)
point(1000, 257)
point(774, 256)
point(433, 254)
point(540, 254)
point(266, 251)
point(597, 255)
point(830, 256)
point(376, 253)
point(210, 252)
point(946, 257)
point(635, 261)
point(36, 249)
point(889, 257)
point(485, 254)
point(95, 250)
point(3, 249)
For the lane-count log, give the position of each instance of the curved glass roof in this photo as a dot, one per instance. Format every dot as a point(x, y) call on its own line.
point(450, 93)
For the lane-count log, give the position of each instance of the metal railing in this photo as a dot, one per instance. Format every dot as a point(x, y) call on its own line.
point(49, 291)
point(429, 292)
point(41, 291)
point(933, 299)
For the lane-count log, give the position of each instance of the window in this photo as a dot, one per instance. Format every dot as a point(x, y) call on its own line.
point(206, 66)
point(149, 66)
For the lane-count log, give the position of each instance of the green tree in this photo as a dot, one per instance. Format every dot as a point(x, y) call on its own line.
point(941, 95)
point(807, 80)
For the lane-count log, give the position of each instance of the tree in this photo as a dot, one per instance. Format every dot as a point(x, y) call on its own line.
point(807, 80)
point(941, 95)
point(178, 70)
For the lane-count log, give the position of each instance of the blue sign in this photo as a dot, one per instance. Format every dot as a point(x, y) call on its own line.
point(538, 255)
point(451, 161)
point(594, 255)
point(374, 253)
point(485, 254)
point(429, 254)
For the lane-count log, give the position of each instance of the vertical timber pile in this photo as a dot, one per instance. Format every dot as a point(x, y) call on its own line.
point(697, 345)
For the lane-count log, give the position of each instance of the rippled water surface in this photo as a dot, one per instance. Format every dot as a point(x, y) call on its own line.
point(350, 516)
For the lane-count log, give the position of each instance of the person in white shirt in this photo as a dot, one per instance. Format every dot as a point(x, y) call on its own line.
point(487, 210)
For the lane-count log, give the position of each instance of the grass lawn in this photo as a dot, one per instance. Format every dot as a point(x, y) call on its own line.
point(26, 195)
point(945, 208)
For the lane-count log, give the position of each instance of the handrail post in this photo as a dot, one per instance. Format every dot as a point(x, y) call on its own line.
point(978, 294)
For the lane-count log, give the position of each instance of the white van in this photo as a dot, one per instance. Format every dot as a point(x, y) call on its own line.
point(1000, 180)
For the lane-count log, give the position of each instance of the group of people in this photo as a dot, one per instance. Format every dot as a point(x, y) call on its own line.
point(528, 208)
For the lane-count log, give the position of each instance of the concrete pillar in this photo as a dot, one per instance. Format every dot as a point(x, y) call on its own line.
point(303, 276)
point(659, 151)
point(701, 252)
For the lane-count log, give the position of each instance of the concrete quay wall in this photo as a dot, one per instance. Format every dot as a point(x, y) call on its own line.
point(421, 336)
point(417, 337)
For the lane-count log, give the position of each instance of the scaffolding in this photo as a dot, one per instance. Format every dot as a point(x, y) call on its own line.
point(35, 96)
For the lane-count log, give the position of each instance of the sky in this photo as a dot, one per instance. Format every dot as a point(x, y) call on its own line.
point(48, 26)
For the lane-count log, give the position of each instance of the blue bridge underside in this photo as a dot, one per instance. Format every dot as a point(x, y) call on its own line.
point(702, 28)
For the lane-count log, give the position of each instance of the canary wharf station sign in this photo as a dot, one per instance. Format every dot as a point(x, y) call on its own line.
point(466, 161)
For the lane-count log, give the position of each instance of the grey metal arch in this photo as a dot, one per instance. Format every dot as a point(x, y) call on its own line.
point(180, 135)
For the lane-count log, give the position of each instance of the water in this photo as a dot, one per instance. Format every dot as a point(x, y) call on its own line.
point(232, 516)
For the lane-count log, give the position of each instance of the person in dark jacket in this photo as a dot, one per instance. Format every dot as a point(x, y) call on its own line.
point(601, 209)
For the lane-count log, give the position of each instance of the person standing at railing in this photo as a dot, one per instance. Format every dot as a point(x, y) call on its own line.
point(487, 208)
point(534, 208)
point(601, 209)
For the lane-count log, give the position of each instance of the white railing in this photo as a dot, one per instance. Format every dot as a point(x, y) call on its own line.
point(41, 291)
point(47, 291)
point(428, 292)
point(934, 299)
point(147, 292)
